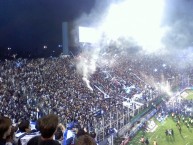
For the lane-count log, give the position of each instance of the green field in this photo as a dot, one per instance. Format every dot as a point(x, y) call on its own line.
point(185, 138)
point(190, 94)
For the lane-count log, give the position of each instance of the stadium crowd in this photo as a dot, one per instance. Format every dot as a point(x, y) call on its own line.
point(31, 89)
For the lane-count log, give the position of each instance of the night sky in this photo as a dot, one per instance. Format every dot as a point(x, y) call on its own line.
point(27, 25)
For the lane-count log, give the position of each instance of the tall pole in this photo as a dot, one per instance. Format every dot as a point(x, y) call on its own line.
point(133, 109)
point(117, 120)
point(124, 115)
point(110, 120)
point(112, 139)
point(128, 115)
point(103, 127)
point(110, 128)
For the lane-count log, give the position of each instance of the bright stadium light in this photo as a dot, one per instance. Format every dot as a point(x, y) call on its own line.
point(136, 19)
point(88, 35)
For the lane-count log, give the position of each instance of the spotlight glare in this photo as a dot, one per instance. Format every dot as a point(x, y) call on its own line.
point(136, 19)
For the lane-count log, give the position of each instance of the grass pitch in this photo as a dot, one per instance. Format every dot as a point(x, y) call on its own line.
point(190, 94)
point(185, 138)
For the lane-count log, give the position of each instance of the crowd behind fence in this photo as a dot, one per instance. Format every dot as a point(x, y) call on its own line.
point(38, 87)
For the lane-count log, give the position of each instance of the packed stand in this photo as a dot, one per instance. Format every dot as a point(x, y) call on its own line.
point(30, 89)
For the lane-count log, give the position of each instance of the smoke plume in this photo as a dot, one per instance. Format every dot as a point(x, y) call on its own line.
point(137, 27)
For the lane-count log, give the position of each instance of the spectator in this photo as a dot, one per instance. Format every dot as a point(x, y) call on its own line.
point(142, 140)
point(147, 141)
point(11, 139)
point(5, 129)
point(155, 142)
point(24, 134)
point(166, 132)
point(59, 133)
point(93, 135)
point(172, 132)
point(69, 134)
point(48, 125)
point(81, 132)
point(24, 126)
point(85, 140)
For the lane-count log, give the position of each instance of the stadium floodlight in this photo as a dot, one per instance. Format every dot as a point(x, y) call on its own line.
point(136, 19)
point(88, 35)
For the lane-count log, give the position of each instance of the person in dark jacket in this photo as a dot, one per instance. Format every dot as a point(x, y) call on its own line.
point(5, 129)
point(147, 141)
point(47, 125)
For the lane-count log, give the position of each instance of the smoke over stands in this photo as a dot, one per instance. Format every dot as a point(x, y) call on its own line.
point(160, 28)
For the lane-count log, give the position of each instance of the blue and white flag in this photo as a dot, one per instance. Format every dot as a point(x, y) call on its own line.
point(68, 137)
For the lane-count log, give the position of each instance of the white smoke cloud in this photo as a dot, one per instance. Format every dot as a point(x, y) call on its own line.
point(136, 19)
point(86, 64)
point(138, 26)
point(179, 37)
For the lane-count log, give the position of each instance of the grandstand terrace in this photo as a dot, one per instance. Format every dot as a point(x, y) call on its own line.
point(34, 88)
